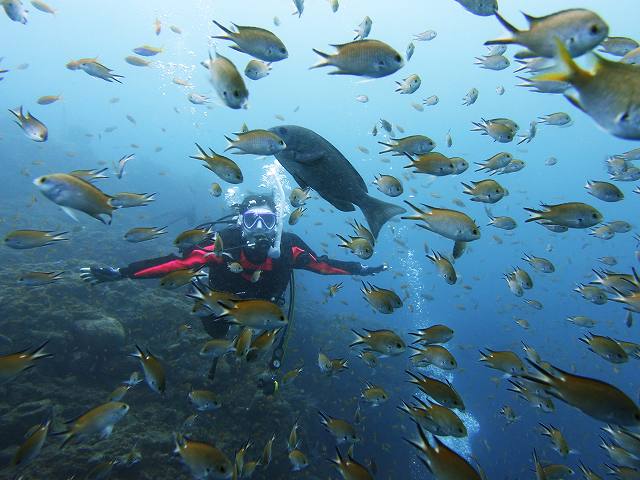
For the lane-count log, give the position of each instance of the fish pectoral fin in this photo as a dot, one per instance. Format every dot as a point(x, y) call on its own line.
point(342, 205)
point(106, 432)
point(308, 158)
point(525, 54)
point(575, 102)
point(70, 212)
point(300, 181)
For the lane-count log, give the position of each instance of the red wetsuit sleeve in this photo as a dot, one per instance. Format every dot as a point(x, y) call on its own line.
point(306, 259)
point(159, 267)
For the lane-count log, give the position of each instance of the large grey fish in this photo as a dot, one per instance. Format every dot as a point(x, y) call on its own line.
point(483, 8)
point(316, 163)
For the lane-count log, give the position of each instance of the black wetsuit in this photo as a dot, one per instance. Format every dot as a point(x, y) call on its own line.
point(294, 253)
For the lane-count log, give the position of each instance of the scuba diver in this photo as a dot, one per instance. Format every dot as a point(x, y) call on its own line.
point(254, 240)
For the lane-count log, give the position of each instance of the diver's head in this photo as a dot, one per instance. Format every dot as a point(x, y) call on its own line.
point(258, 220)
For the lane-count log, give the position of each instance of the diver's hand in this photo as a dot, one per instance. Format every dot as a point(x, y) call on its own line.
point(97, 274)
point(366, 270)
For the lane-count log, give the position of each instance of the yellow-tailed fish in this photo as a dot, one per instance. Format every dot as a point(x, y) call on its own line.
point(153, 370)
point(610, 95)
point(257, 42)
point(203, 460)
point(92, 67)
point(444, 266)
point(342, 430)
point(256, 142)
point(433, 334)
point(442, 462)
point(129, 200)
point(366, 58)
point(227, 81)
point(350, 469)
point(253, 313)
point(24, 239)
point(570, 215)
point(595, 398)
point(180, 278)
point(224, 167)
point(441, 392)
point(385, 342)
point(451, 224)
point(578, 29)
point(30, 125)
point(505, 361)
point(31, 447)
point(12, 364)
point(99, 420)
point(72, 193)
point(204, 400)
point(144, 234)
point(358, 245)
point(190, 238)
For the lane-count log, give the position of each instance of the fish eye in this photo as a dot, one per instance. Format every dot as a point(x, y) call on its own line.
point(236, 93)
point(594, 30)
point(398, 58)
point(594, 215)
point(282, 317)
point(283, 50)
point(222, 469)
point(281, 142)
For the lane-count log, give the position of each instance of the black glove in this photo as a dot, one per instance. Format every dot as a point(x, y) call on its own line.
point(96, 274)
point(366, 270)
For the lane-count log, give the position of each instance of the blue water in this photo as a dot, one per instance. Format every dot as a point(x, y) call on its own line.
point(479, 307)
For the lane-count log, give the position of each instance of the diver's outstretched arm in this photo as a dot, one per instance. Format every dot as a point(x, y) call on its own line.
point(306, 259)
point(151, 268)
point(96, 274)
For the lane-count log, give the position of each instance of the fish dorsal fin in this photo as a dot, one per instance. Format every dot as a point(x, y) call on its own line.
point(532, 20)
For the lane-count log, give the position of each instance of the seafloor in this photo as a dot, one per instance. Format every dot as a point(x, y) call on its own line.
point(92, 329)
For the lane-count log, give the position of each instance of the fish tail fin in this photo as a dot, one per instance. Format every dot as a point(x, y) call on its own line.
point(358, 341)
point(38, 352)
point(202, 152)
point(138, 353)
point(389, 148)
point(503, 41)
point(377, 212)
point(416, 209)
point(569, 68)
point(537, 215)
point(67, 436)
point(231, 143)
point(323, 62)
point(404, 408)
point(345, 242)
point(541, 376)
point(421, 444)
point(225, 30)
point(17, 112)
